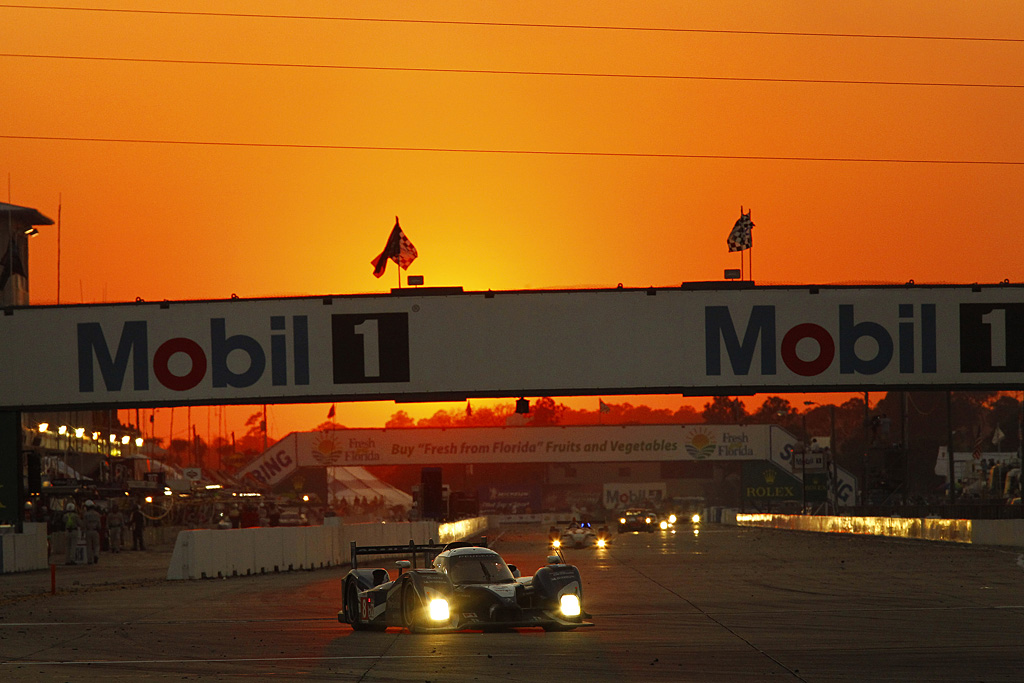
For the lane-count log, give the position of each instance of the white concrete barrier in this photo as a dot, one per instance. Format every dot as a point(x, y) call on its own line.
point(24, 552)
point(998, 532)
point(213, 553)
point(268, 554)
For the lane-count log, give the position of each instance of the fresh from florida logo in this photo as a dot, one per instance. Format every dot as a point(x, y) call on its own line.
point(701, 444)
point(326, 448)
point(333, 448)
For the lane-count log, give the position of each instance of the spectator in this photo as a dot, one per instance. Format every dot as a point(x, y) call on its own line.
point(249, 517)
point(115, 526)
point(91, 521)
point(138, 524)
point(71, 527)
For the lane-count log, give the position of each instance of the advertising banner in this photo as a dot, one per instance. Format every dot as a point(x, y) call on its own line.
point(816, 487)
point(764, 481)
point(591, 443)
point(627, 495)
point(448, 345)
point(510, 500)
point(273, 466)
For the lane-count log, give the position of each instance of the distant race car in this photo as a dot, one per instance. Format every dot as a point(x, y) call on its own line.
point(466, 588)
point(637, 519)
point(683, 510)
point(670, 520)
point(579, 535)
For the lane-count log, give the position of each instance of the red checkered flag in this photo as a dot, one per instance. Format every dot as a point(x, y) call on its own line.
point(741, 237)
point(399, 249)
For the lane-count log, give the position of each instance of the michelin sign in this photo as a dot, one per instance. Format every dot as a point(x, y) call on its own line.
point(454, 344)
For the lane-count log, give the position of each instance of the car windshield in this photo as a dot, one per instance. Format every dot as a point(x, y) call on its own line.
point(479, 569)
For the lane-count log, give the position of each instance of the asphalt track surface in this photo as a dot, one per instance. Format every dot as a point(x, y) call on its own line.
point(729, 604)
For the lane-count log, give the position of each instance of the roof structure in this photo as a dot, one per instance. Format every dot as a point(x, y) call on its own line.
point(23, 214)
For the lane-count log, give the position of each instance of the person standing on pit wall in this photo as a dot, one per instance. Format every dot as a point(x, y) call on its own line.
point(138, 523)
point(91, 521)
point(115, 526)
point(71, 528)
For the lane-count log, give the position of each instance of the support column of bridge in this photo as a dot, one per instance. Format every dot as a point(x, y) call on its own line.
point(11, 484)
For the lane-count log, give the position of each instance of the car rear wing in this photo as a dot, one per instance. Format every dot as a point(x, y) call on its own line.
point(428, 550)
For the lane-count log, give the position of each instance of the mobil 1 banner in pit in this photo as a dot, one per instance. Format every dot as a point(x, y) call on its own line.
point(698, 339)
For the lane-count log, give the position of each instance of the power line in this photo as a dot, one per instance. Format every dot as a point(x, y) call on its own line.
point(508, 72)
point(500, 24)
point(539, 152)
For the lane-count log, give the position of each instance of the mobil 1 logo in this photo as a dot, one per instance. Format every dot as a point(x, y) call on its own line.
point(991, 337)
point(370, 347)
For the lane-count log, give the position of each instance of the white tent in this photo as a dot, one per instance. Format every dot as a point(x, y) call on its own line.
point(348, 483)
point(58, 464)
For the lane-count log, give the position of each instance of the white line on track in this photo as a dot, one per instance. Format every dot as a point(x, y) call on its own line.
point(606, 615)
point(156, 622)
point(226, 660)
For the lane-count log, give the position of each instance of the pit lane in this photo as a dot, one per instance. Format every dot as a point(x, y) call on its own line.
point(727, 604)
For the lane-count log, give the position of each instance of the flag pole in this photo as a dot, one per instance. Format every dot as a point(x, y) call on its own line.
point(59, 197)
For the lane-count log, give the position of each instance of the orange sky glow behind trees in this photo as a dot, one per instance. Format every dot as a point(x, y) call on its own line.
point(199, 151)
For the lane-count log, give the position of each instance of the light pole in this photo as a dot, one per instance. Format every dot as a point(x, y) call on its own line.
point(829, 464)
point(803, 467)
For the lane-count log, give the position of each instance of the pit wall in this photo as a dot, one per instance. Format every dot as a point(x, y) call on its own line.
point(1002, 532)
point(213, 553)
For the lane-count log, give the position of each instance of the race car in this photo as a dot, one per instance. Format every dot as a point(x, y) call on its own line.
point(579, 535)
point(467, 587)
point(637, 519)
point(685, 510)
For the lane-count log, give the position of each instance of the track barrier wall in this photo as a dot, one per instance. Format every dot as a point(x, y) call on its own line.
point(1002, 532)
point(214, 553)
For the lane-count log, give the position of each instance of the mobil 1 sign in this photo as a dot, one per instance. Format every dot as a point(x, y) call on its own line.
point(236, 351)
point(991, 337)
point(454, 344)
point(868, 337)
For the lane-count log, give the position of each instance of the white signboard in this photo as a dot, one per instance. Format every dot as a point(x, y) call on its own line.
point(694, 340)
point(595, 443)
point(273, 466)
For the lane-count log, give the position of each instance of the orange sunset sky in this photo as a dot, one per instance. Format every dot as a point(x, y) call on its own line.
point(204, 149)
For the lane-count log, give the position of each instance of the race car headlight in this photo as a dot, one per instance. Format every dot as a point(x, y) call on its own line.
point(695, 519)
point(647, 520)
point(438, 609)
point(556, 543)
point(671, 519)
point(664, 524)
point(570, 605)
point(622, 520)
point(601, 543)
